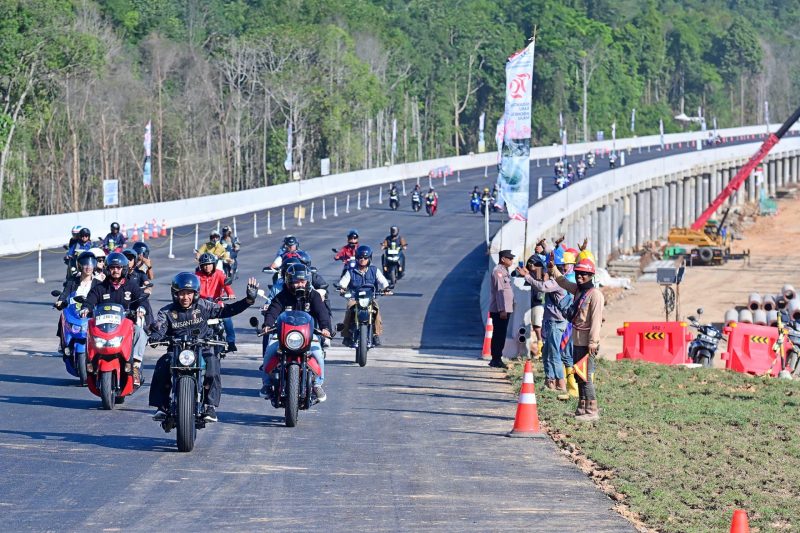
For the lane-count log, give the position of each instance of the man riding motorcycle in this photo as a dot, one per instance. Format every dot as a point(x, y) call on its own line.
point(288, 249)
point(82, 244)
point(215, 247)
point(73, 236)
point(363, 275)
point(394, 236)
point(232, 246)
point(213, 288)
point(348, 251)
point(184, 316)
point(297, 295)
point(118, 289)
point(114, 240)
point(80, 284)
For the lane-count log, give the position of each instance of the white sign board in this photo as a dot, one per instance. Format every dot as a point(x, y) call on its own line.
point(325, 166)
point(110, 192)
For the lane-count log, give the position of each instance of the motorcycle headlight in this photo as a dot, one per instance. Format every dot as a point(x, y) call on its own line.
point(294, 340)
point(186, 358)
point(363, 302)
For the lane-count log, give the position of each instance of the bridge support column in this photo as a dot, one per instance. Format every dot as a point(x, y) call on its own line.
point(752, 187)
point(601, 243)
point(771, 180)
point(594, 237)
point(781, 173)
point(626, 223)
point(655, 215)
point(680, 201)
point(672, 188)
point(664, 211)
point(615, 225)
point(698, 198)
point(795, 160)
point(640, 216)
point(691, 186)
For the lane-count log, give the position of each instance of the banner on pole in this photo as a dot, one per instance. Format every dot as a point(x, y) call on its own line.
point(661, 131)
point(481, 138)
point(633, 120)
point(110, 192)
point(394, 140)
point(146, 175)
point(514, 176)
point(498, 137)
point(325, 166)
point(287, 163)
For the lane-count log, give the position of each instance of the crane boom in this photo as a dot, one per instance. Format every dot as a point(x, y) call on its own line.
point(745, 171)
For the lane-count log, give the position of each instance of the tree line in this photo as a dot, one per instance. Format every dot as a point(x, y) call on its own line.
point(362, 82)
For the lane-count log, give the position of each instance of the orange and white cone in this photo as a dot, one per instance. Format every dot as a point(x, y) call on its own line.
point(740, 524)
point(163, 227)
point(135, 236)
point(145, 232)
point(153, 230)
point(486, 353)
point(526, 424)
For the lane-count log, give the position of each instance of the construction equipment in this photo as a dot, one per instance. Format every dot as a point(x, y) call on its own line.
point(707, 241)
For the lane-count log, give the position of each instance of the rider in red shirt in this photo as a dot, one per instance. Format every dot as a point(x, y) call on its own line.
point(213, 287)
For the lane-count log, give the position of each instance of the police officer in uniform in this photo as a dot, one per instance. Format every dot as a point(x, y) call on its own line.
point(501, 304)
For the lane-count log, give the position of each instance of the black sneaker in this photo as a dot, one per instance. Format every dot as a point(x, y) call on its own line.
point(497, 364)
point(210, 414)
point(319, 392)
point(231, 347)
point(265, 392)
point(376, 340)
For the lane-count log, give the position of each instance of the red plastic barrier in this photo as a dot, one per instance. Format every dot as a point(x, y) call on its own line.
point(658, 342)
point(750, 349)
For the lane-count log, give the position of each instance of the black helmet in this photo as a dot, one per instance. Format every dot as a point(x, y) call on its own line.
point(296, 272)
point(394, 231)
point(87, 258)
point(214, 233)
point(130, 254)
point(114, 227)
point(116, 259)
point(289, 261)
point(304, 258)
point(185, 281)
point(208, 259)
point(364, 251)
point(352, 234)
point(226, 230)
point(141, 249)
point(84, 232)
point(290, 240)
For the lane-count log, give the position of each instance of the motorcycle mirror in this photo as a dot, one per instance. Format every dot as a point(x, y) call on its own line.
point(55, 293)
point(692, 318)
point(699, 310)
point(313, 270)
point(254, 321)
point(334, 250)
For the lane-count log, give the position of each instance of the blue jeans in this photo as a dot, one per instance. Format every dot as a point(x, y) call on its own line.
point(552, 356)
point(316, 353)
point(230, 333)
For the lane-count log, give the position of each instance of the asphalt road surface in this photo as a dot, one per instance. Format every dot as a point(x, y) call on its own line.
point(414, 440)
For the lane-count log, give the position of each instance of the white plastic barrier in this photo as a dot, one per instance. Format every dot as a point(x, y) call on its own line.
point(26, 234)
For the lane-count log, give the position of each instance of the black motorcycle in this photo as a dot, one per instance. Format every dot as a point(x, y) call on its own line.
point(361, 330)
point(416, 201)
point(793, 353)
point(392, 262)
point(703, 347)
point(394, 200)
point(188, 368)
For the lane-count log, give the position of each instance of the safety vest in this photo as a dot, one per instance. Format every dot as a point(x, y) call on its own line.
point(367, 279)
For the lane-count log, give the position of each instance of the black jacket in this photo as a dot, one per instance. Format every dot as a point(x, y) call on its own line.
point(286, 299)
point(129, 295)
point(173, 320)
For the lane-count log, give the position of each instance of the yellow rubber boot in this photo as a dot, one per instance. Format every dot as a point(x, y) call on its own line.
point(540, 345)
point(572, 385)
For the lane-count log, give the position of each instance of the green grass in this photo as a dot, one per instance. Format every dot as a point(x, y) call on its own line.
point(687, 447)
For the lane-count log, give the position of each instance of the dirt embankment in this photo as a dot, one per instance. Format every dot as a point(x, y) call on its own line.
point(774, 244)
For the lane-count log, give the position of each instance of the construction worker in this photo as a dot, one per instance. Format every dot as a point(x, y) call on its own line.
point(586, 317)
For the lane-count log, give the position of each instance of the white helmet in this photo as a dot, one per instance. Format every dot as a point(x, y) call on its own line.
point(97, 253)
point(76, 229)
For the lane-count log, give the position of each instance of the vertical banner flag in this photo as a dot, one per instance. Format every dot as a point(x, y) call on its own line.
point(514, 176)
point(287, 163)
point(394, 140)
point(563, 134)
point(661, 132)
point(146, 177)
point(481, 139)
point(614, 137)
point(766, 114)
point(633, 120)
point(110, 192)
point(498, 138)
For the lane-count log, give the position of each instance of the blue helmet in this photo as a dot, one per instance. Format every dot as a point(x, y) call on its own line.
point(558, 256)
point(364, 252)
point(185, 281)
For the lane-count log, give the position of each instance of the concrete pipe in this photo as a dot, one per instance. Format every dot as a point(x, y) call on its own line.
point(788, 292)
point(794, 309)
point(731, 315)
point(780, 301)
point(754, 302)
point(769, 303)
point(746, 316)
point(772, 318)
point(760, 318)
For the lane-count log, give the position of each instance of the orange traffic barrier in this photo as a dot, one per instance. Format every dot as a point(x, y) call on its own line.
point(486, 353)
point(163, 227)
point(135, 236)
point(750, 349)
point(658, 342)
point(739, 523)
point(153, 230)
point(526, 423)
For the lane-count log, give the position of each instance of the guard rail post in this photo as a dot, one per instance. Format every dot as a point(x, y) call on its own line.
point(358, 205)
point(458, 177)
point(444, 180)
point(283, 219)
point(255, 225)
point(235, 233)
point(539, 192)
point(404, 187)
point(269, 222)
point(196, 236)
point(299, 209)
point(336, 206)
point(366, 205)
point(380, 195)
point(347, 205)
point(40, 279)
point(311, 218)
point(324, 215)
point(171, 236)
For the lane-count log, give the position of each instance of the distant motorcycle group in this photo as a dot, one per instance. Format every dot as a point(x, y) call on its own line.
point(431, 199)
point(107, 322)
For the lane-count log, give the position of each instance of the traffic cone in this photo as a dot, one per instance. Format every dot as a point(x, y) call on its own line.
point(163, 227)
point(153, 230)
point(486, 353)
point(526, 423)
point(145, 232)
point(135, 236)
point(739, 524)
point(125, 232)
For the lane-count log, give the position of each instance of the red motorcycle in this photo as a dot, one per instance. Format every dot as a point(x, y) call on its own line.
point(431, 204)
point(293, 371)
point(109, 366)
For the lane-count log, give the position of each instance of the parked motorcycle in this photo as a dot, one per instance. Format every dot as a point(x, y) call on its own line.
point(293, 372)
point(188, 368)
point(793, 352)
point(361, 330)
point(73, 338)
point(416, 201)
point(109, 365)
point(703, 347)
point(391, 262)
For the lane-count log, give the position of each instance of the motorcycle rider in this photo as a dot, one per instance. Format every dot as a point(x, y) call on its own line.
point(214, 247)
point(214, 288)
point(73, 236)
point(118, 289)
point(114, 239)
point(393, 194)
point(363, 275)
point(348, 251)
point(416, 196)
point(432, 197)
point(187, 313)
point(232, 245)
point(288, 249)
point(296, 295)
point(100, 257)
point(143, 262)
point(83, 244)
point(80, 284)
point(137, 276)
point(394, 236)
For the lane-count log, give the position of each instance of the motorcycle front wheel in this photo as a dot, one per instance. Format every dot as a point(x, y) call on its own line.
point(292, 396)
point(107, 390)
point(363, 346)
point(80, 363)
point(187, 409)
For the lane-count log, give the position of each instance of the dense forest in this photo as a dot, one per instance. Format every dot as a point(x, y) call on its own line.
point(221, 81)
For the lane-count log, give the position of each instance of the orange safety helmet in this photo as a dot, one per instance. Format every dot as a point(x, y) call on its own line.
point(585, 265)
